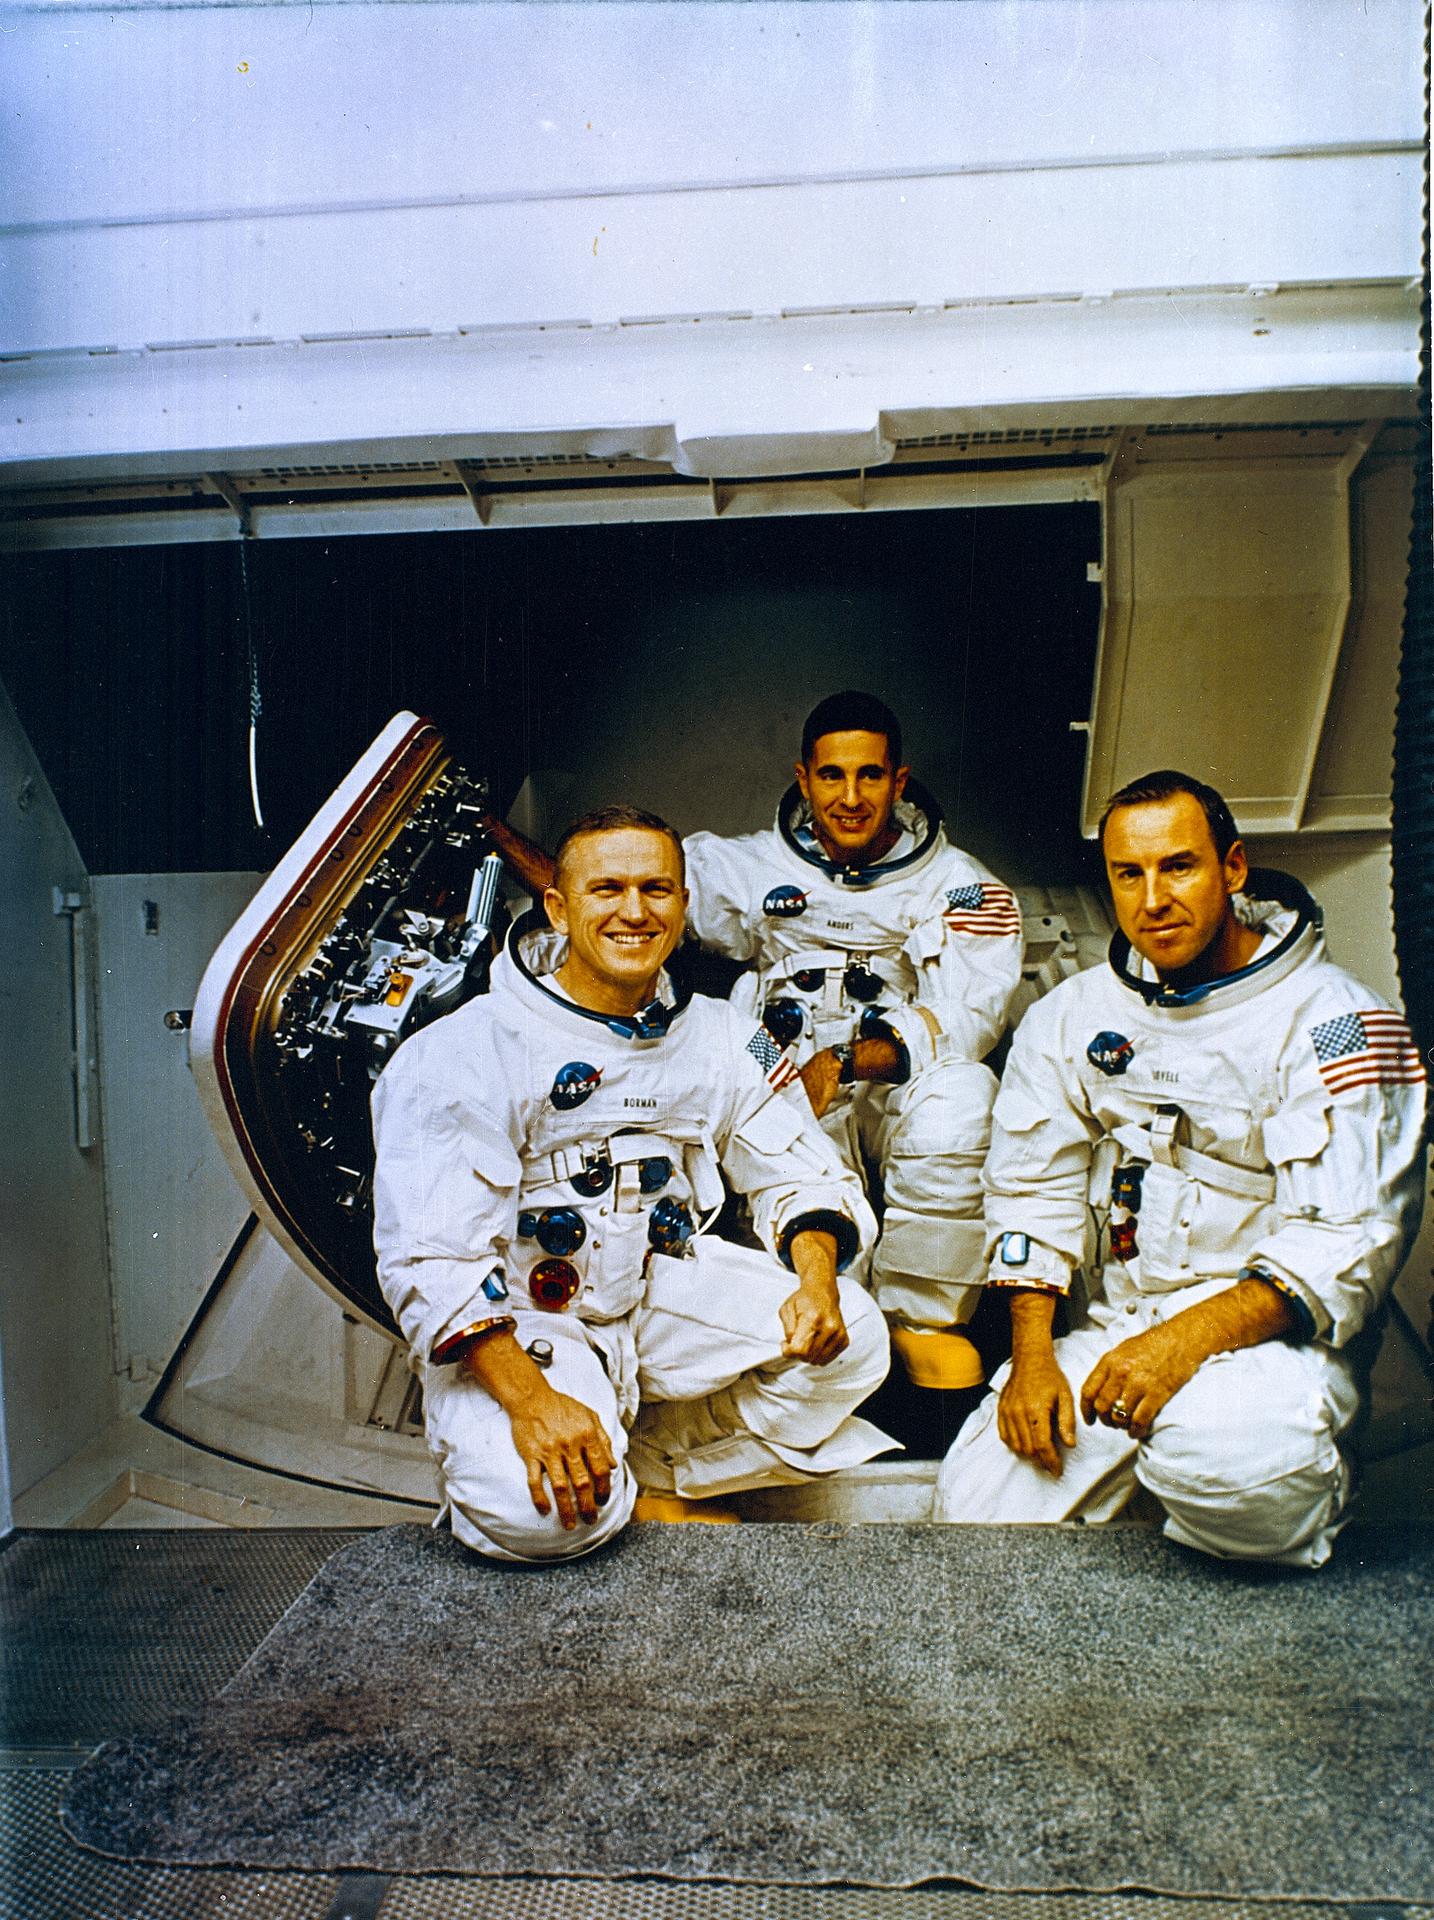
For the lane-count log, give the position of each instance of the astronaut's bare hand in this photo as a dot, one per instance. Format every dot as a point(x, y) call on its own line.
point(564, 1440)
point(1035, 1415)
point(819, 1077)
point(1128, 1386)
point(813, 1324)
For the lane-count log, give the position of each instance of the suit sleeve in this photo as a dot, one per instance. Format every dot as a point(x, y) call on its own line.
point(774, 1150)
point(1037, 1173)
point(1347, 1147)
point(718, 882)
point(445, 1191)
point(967, 956)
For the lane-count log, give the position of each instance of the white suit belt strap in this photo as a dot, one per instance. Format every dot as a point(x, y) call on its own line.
point(1247, 1182)
point(1167, 1134)
point(619, 1149)
point(625, 1148)
point(704, 1171)
point(832, 965)
point(697, 1158)
point(827, 959)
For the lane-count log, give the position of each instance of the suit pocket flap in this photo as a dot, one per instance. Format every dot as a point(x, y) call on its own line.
point(772, 1128)
point(1017, 1112)
point(1297, 1133)
point(925, 941)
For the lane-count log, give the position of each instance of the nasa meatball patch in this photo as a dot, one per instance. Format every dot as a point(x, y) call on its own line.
point(785, 902)
point(575, 1082)
point(1111, 1052)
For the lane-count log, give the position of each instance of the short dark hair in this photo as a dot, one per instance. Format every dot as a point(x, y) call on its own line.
point(613, 820)
point(1162, 785)
point(852, 712)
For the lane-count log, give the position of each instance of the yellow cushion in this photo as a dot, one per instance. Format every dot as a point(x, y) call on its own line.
point(674, 1508)
point(937, 1357)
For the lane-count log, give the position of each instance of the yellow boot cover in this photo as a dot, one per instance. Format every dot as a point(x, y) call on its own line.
point(674, 1508)
point(937, 1357)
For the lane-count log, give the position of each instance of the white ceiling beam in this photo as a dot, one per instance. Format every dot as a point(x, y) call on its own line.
point(716, 399)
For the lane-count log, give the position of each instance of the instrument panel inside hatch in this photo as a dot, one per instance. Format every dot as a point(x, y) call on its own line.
point(381, 918)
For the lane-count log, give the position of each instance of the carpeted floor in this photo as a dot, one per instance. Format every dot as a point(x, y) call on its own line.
point(1015, 1707)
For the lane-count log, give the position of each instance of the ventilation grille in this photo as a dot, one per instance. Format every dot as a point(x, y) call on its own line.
point(346, 472)
point(1017, 436)
point(1053, 436)
point(499, 461)
point(509, 462)
point(1254, 426)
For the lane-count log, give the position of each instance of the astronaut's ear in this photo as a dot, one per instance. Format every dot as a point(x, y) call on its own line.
point(901, 776)
point(1237, 867)
point(556, 908)
point(800, 768)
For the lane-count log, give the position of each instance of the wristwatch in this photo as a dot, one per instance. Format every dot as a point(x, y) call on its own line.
point(1305, 1327)
point(845, 1056)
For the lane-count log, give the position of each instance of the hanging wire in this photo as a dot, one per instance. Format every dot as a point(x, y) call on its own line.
point(256, 703)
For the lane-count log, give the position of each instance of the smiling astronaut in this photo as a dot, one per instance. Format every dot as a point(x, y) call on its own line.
point(885, 959)
point(549, 1159)
point(1224, 1132)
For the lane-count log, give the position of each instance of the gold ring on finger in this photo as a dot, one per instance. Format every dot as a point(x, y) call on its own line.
point(1119, 1414)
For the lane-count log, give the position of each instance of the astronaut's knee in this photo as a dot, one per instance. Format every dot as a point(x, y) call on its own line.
point(1257, 1485)
point(507, 1537)
point(513, 1529)
point(946, 1110)
point(934, 1149)
point(944, 1186)
point(485, 1486)
point(1291, 1521)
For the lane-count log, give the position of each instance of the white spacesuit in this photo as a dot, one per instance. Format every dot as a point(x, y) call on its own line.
point(923, 945)
point(544, 1161)
point(1167, 1143)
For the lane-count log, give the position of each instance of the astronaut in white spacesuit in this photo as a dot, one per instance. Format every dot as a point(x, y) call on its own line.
point(547, 1164)
point(885, 961)
point(1222, 1131)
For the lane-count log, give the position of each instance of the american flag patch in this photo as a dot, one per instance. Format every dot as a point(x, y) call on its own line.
point(774, 1061)
point(982, 909)
point(1366, 1050)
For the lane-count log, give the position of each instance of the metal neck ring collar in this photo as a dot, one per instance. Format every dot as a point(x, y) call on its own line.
point(648, 1023)
point(789, 810)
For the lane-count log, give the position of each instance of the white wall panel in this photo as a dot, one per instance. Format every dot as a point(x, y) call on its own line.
point(1349, 875)
point(54, 1303)
point(173, 1207)
point(125, 111)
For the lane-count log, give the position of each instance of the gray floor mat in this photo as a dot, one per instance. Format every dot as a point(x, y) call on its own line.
point(44, 1876)
point(1016, 1707)
point(109, 1632)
